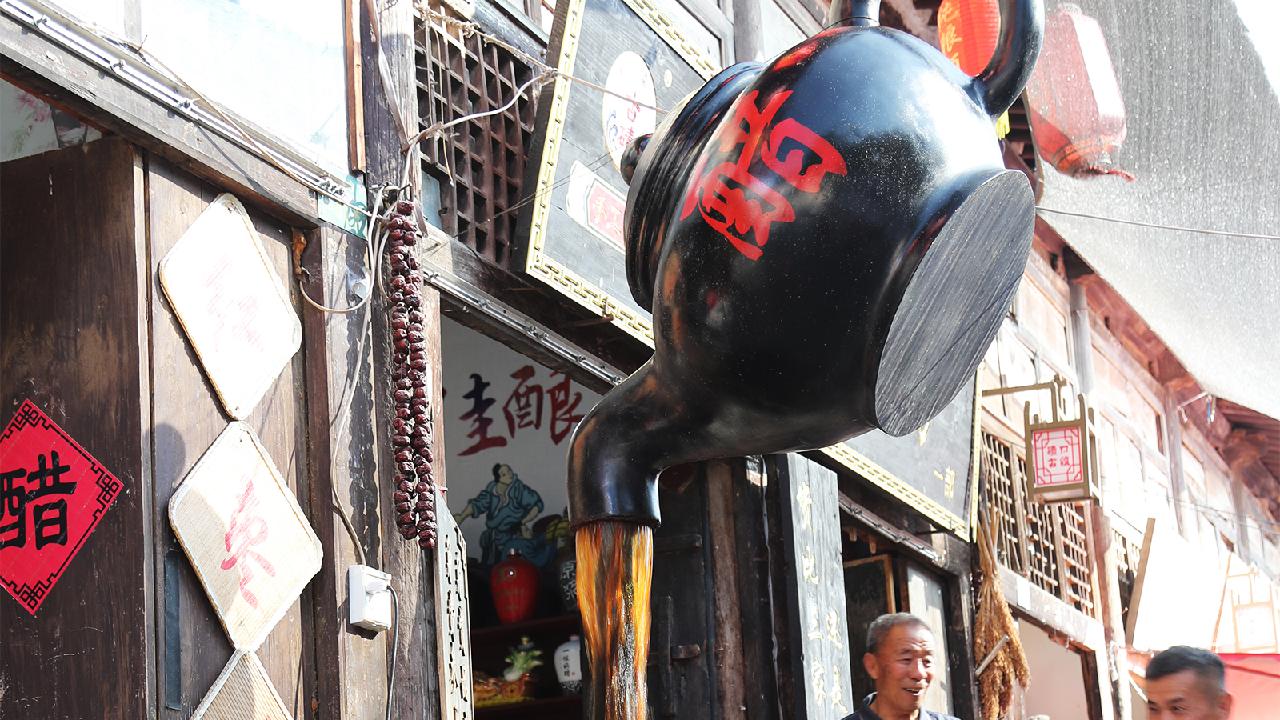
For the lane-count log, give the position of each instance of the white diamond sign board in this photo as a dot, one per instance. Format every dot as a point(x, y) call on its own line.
point(231, 304)
point(245, 535)
point(242, 692)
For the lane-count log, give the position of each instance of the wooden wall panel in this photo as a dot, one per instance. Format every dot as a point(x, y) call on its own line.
point(71, 341)
point(187, 418)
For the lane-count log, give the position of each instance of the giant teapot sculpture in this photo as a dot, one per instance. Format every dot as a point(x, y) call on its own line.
point(828, 244)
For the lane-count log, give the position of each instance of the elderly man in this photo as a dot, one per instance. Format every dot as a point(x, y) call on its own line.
point(1188, 684)
point(900, 659)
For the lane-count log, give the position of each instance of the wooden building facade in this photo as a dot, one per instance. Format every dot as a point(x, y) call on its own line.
point(761, 595)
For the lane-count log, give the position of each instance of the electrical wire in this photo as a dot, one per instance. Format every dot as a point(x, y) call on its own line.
point(346, 521)
point(1159, 226)
point(395, 645)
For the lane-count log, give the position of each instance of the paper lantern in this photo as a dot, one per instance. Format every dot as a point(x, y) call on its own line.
point(1073, 99)
point(967, 32)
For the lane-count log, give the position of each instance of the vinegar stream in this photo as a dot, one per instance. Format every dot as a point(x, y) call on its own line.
point(615, 570)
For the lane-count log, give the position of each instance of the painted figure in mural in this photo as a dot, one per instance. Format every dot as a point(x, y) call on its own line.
point(509, 508)
point(1187, 682)
point(900, 658)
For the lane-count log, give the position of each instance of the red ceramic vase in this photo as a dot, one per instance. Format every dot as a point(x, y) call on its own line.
point(514, 583)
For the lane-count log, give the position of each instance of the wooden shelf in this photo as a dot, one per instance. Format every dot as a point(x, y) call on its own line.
point(566, 625)
point(567, 706)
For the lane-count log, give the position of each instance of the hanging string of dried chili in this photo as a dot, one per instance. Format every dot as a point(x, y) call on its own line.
point(412, 427)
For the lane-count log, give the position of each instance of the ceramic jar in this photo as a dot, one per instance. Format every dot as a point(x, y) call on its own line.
point(514, 583)
point(568, 662)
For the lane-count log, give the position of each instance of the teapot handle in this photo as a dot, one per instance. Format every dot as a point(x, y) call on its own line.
point(1021, 36)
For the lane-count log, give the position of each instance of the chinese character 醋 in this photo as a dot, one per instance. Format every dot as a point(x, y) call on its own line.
point(41, 491)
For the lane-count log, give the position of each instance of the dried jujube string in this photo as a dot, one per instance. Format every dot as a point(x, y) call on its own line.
point(412, 426)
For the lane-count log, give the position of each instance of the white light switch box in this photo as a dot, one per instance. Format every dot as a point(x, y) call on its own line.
point(369, 597)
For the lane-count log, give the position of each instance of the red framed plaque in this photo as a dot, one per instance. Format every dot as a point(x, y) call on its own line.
point(53, 494)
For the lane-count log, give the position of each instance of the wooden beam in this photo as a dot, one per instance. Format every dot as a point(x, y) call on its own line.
point(33, 62)
point(389, 29)
point(731, 680)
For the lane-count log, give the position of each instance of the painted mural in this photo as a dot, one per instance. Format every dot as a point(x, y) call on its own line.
point(507, 423)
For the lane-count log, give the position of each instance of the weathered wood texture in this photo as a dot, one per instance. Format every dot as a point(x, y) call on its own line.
point(751, 549)
point(682, 667)
point(35, 62)
point(416, 689)
point(731, 685)
point(350, 662)
point(71, 262)
point(186, 418)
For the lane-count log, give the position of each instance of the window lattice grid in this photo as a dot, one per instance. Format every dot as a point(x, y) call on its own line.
point(1042, 555)
point(1076, 556)
point(480, 164)
point(1000, 500)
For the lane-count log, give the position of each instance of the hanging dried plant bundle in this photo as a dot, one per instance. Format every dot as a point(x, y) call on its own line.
point(993, 624)
point(412, 426)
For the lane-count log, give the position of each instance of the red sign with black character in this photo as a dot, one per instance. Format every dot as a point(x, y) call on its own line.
point(52, 495)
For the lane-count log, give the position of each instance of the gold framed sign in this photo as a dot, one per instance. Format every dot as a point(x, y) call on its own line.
point(934, 469)
point(637, 69)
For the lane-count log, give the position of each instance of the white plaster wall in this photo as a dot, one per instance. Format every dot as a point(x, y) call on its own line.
point(1057, 677)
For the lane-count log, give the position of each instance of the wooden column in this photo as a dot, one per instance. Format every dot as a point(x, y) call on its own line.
point(747, 32)
point(350, 662)
point(389, 106)
point(1110, 609)
point(1105, 574)
point(1173, 450)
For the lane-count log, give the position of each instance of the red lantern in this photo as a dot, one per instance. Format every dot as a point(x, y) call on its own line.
point(514, 583)
point(1073, 99)
point(967, 32)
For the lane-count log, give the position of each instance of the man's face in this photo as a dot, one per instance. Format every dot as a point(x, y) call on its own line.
point(902, 668)
point(1183, 695)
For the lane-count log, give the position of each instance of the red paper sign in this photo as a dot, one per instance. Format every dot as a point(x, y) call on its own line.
point(52, 495)
point(1057, 456)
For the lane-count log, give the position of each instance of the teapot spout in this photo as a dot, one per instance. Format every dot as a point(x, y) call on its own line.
point(1017, 47)
point(640, 428)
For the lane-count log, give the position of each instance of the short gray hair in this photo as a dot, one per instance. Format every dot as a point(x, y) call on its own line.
point(883, 624)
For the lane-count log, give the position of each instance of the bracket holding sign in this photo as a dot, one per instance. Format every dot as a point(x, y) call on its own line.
point(1062, 454)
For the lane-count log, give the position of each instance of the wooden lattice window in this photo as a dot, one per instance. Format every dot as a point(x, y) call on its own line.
point(1002, 500)
point(1076, 559)
point(479, 164)
point(1042, 551)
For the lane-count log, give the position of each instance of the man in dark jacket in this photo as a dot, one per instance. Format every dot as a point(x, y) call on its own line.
point(900, 659)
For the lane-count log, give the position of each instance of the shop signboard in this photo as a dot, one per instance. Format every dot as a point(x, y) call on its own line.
point(635, 69)
point(934, 469)
point(1062, 457)
point(813, 524)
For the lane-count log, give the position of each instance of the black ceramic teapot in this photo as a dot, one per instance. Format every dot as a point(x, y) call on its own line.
point(828, 244)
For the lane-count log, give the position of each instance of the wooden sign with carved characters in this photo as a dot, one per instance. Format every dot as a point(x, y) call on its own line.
point(825, 692)
point(453, 620)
